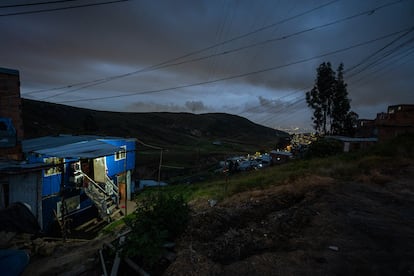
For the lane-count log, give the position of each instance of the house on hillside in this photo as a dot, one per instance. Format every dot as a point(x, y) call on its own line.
point(72, 177)
point(366, 128)
point(280, 157)
point(352, 144)
point(398, 120)
point(59, 176)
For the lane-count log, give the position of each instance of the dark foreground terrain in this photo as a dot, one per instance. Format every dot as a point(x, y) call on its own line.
point(310, 226)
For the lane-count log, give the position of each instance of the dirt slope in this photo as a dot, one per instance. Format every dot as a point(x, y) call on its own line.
point(315, 226)
point(312, 226)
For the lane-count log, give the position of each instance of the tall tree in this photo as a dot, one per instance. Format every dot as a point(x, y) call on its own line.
point(320, 97)
point(341, 106)
point(330, 103)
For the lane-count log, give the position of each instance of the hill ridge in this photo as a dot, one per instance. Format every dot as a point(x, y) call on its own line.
point(182, 128)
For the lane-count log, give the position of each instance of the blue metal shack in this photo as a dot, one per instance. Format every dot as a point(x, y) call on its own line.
point(81, 172)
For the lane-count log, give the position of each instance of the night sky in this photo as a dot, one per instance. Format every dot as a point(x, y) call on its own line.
point(252, 58)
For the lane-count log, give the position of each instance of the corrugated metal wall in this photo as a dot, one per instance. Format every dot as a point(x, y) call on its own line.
point(27, 188)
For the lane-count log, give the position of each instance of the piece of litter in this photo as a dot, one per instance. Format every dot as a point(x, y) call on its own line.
point(212, 202)
point(334, 248)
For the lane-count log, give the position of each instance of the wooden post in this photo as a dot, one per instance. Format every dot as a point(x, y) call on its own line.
point(159, 169)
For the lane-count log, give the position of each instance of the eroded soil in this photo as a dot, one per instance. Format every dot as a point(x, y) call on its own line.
point(315, 226)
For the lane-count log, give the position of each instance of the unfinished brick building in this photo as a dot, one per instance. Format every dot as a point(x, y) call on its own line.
point(11, 125)
point(398, 120)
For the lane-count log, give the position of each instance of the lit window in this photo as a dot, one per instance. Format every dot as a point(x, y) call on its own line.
point(120, 154)
point(55, 169)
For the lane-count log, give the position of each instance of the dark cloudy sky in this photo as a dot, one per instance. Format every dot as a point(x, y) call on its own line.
point(158, 55)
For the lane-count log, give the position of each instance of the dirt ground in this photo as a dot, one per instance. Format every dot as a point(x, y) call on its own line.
point(314, 226)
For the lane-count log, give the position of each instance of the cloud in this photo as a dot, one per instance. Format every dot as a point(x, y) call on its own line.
point(195, 106)
point(81, 45)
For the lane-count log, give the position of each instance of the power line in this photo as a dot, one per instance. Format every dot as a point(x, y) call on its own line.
point(379, 59)
point(246, 74)
point(155, 66)
point(226, 52)
point(35, 4)
point(391, 62)
point(280, 110)
point(379, 50)
point(299, 99)
point(61, 8)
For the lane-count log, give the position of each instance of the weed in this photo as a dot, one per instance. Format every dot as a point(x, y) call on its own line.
point(158, 219)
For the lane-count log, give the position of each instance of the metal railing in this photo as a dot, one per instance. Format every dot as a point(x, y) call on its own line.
point(112, 188)
point(93, 182)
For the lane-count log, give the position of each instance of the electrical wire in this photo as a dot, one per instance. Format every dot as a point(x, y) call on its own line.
point(62, 8)
point(226, 52)
point(248, 73)
point(366, 59)
point(152, 67)
point(391, 62)
point(35, 4)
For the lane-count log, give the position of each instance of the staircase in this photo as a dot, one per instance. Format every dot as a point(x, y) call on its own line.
point(105, 197)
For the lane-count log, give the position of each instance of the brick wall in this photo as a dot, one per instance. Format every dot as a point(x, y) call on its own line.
point(398, 120)
point(10, 101)
point(11, 107)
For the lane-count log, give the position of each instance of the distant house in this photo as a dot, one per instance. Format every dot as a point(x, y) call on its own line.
point(366, 128)
point(398, 120)
point(352, 144)
point(67, 175)
point(279, 157)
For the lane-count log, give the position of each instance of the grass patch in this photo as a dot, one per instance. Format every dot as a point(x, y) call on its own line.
point(115, 226)
point(342, 167)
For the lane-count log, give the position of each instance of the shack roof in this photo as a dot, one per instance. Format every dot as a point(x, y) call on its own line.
point(276, 152)
point(83, 149)
point(9, 71)
point(46, 142)
point(71, 146)
point(352, 139)
point(16, 167)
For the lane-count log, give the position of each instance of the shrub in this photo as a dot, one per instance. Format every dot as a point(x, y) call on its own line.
point(159, 218)
point(323, 148)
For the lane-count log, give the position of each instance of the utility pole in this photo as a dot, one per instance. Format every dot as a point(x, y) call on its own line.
point(159, 169)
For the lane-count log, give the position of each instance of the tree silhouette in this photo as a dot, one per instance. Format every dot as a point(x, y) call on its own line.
point(329, 101)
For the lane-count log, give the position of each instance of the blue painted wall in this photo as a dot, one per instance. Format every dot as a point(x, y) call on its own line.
point(51, 184)
point(116, 167)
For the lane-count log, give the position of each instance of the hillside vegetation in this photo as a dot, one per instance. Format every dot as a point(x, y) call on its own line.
point(349, 214)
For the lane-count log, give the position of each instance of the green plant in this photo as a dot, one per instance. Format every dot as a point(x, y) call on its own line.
point(158, 218)
point(323, 148)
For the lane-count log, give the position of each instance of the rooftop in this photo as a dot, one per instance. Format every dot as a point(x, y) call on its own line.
point(9, 71)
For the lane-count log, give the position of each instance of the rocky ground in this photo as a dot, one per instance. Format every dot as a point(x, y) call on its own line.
point(312, 226)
